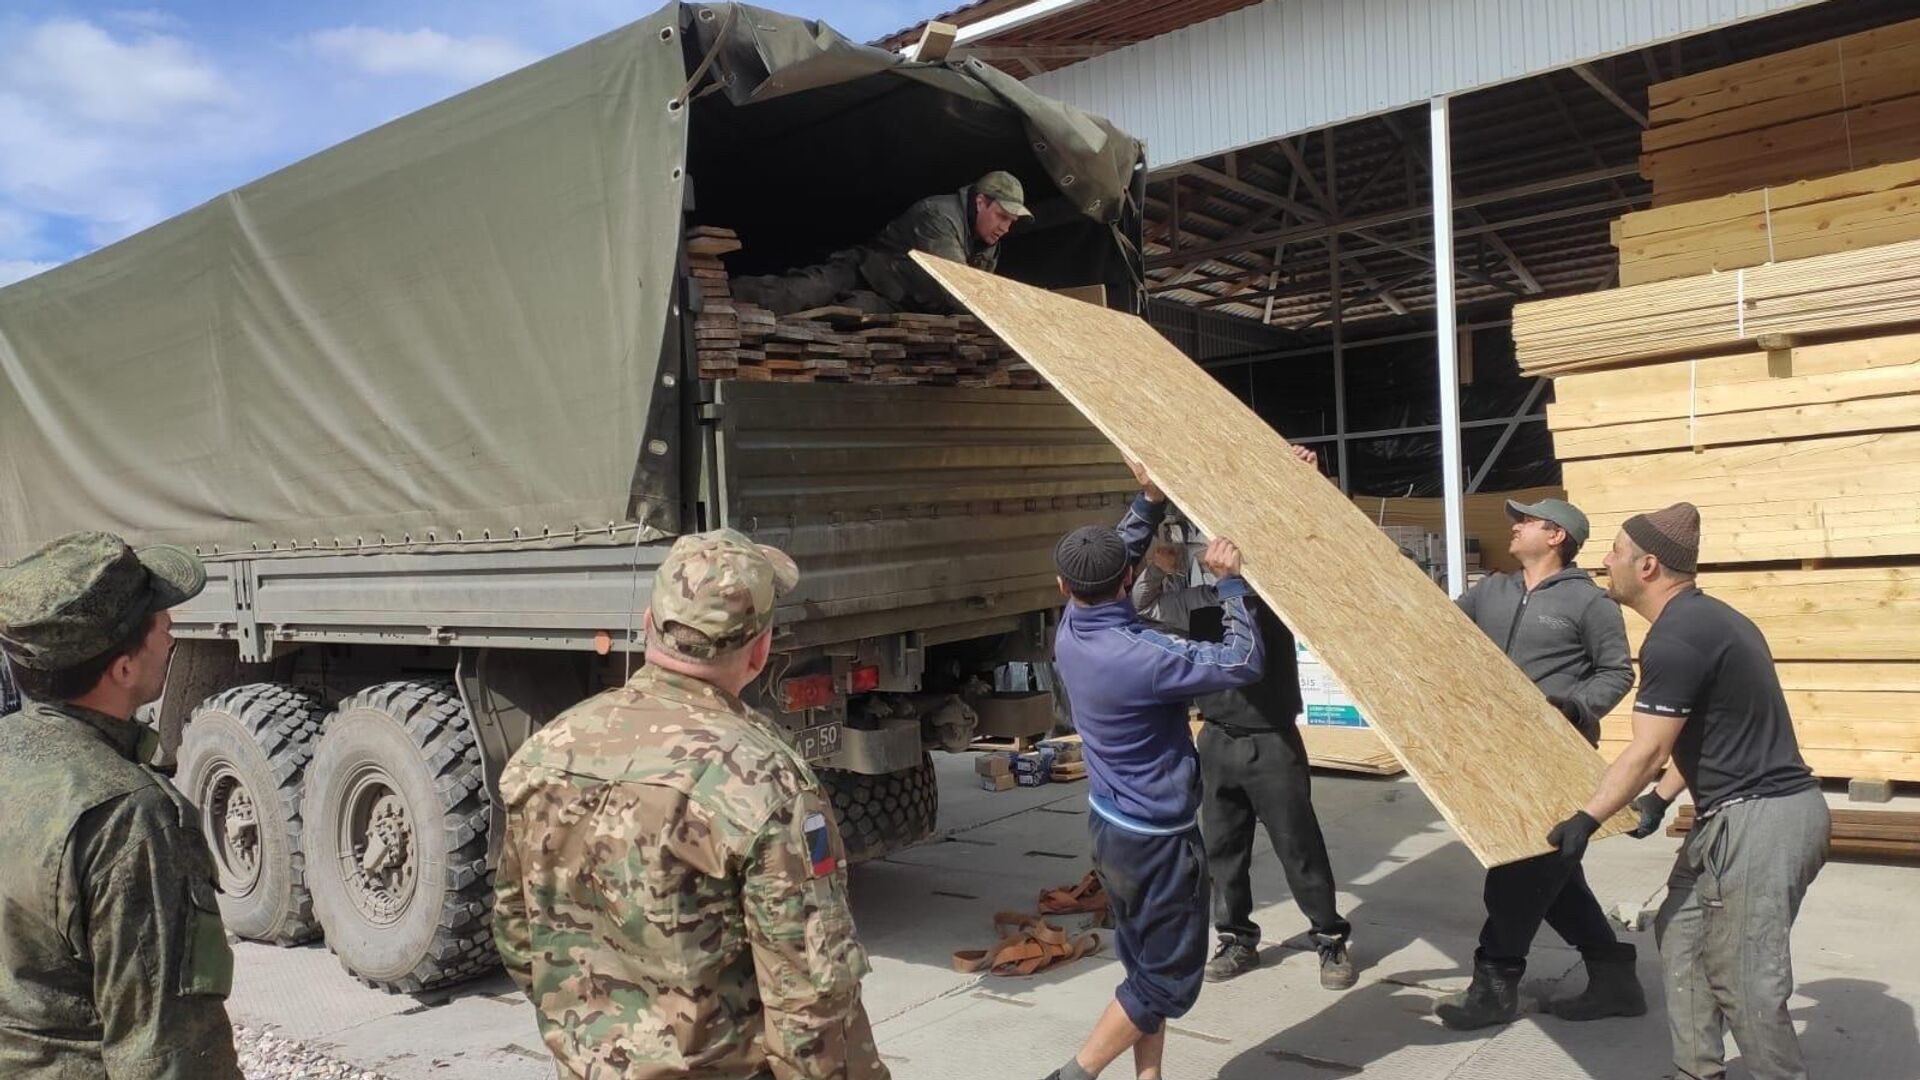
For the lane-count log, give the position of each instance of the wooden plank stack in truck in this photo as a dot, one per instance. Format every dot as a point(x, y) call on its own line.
point(429, 404)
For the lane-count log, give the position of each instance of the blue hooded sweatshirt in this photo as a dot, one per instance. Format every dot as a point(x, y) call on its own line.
point(1129, 685)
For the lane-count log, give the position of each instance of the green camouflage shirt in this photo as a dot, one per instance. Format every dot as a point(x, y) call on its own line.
point(113, 961)
point(939, 225)
point(672, 894)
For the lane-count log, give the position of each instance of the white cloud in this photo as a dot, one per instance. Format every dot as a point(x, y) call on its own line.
point(98, 130)
point(106, 81)
point(422, 52)
point(12, 270)
point(147, 19)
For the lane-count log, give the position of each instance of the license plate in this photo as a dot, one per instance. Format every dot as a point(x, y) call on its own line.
point(818, 743)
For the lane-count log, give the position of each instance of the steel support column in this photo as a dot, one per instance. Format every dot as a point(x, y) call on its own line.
point(1446, 339)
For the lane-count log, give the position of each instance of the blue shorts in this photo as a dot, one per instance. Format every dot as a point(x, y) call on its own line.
point(1157, 887)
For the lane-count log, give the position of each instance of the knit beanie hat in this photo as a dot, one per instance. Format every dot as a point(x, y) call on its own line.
point(1671, 535)
point(1091, 559)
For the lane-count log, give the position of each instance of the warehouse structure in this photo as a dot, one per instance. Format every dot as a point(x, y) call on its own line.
point(1302, 151)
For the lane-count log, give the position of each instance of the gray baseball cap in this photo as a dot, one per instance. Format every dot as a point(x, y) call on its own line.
point(1559, 511)
point(1005, 189)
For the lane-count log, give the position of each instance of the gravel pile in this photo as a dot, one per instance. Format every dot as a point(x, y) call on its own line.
point(265, 1055)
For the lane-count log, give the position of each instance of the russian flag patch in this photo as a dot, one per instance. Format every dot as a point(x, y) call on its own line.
point(820, 845)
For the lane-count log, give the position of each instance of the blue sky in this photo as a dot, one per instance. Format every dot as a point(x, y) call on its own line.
point(115, 116)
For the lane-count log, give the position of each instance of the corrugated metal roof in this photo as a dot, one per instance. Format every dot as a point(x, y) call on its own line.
point(1508, 136)
point(1286, 66)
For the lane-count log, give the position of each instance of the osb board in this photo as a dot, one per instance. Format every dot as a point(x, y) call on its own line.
point(1356, 750)
point(1500, 764)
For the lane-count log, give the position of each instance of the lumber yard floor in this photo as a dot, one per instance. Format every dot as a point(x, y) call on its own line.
point(1412, 891)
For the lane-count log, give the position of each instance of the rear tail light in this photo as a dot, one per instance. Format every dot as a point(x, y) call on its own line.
point(863, 679)
point(807, 692)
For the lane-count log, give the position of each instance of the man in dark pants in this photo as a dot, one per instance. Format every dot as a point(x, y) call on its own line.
point(1253, 771)
point(1561, 630)
point(1710, 699)
point(1129, 684)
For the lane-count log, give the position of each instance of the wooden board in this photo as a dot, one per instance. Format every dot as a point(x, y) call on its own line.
point(1849, 294)
point(1356, 750)
point(1862, 208)
point(1841, 371)
point(1850, 613)
point(1872, 834)
point(1500, 764)
point(1736, 84)
point(1891, 411)
point(1850, 496)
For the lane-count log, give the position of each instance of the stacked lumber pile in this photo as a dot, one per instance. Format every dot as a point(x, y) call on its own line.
point(743, 341)
point(1823, 109)
point(1355, 750)
point(1805, 463)
point(1870, 834)
point(1846, 294)
point(1859, 209)
point(1762, 362)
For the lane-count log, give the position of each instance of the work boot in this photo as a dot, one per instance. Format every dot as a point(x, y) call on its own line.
point(1232, 960)
point(1492, 998)
point(1613, 986)
point(1336, 965)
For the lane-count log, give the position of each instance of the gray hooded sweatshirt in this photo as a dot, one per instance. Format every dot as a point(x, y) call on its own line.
point(1565, 635)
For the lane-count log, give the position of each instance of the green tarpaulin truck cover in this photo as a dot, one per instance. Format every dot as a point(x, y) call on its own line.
point(446, 332)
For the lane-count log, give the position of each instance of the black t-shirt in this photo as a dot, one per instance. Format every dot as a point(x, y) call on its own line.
point(1708, 663)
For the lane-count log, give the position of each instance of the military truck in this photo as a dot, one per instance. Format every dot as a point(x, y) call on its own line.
point(427, 404)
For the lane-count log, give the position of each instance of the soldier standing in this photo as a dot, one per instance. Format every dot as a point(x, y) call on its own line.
point(113, 960)
point(672, 893)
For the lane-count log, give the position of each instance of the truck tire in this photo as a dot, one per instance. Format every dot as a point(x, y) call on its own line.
point(879, 814)
point(397, 838)
point(242, 759)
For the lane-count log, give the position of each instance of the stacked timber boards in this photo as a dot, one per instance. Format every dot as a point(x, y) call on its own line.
point(1828, 108)
point(738, 340)
point(1500, 764)
point(1850, 294)
point(1864, 208)
point(1807, 475)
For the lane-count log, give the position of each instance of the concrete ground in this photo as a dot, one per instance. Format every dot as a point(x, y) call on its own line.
point(1412, 891)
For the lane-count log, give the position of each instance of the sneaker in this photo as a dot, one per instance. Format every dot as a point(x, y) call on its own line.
point(1336, 966)
point(1231, 960)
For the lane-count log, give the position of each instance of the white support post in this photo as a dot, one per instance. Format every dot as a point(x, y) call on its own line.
point(1446, 341)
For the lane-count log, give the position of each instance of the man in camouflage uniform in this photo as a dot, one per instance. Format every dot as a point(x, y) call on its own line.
point(113, 961)
point(880, 276)
point(672, 892)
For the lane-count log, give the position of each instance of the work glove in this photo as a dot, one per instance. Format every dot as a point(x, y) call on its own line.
point(1652, 810)
point(1571, 835)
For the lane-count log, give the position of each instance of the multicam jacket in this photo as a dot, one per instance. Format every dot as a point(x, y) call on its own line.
point(113, 961)
point(672, 894)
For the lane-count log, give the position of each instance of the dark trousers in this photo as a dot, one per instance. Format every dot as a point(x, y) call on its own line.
point(1522, 895)
point(1261, 777)
point(1157, 889)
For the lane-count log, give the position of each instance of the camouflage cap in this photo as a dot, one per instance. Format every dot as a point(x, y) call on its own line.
point(86, 592)
point(1004, 188)
point(721, 584)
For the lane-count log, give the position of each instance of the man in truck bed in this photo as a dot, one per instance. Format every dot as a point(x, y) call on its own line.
point(878, 276)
